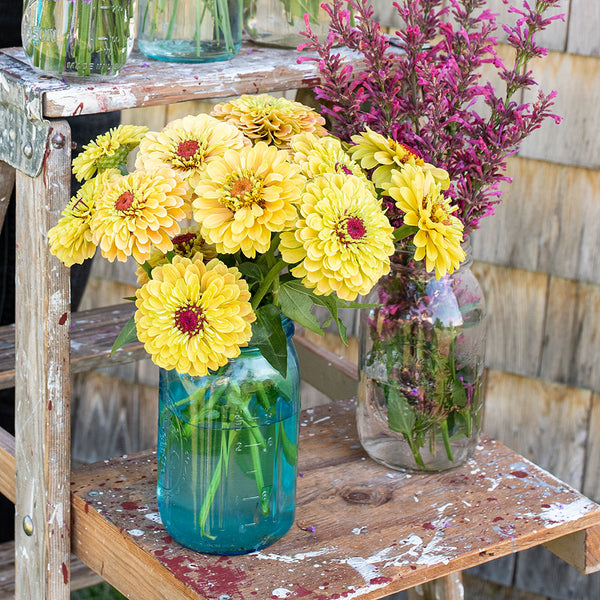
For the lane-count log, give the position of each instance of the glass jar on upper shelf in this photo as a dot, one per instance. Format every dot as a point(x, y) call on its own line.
point(190, 30)
point(78, 38)
point(421, 364)
point(279, 22)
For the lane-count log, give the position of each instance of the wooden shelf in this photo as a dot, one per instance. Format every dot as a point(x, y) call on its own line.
point(376, 531)
point(93, 333)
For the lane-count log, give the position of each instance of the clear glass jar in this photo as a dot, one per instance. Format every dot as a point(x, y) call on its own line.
point(78, 38)
point(190, 30)
point(279, 22)
point(227, 453)
point(421, 364)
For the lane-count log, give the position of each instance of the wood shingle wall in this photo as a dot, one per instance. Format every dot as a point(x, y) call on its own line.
point(538, 260)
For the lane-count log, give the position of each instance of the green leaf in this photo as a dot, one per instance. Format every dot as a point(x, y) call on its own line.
point(404, 232)
point(297, 305)
point(128, 334)
point(252, 272)
point(268, 336)
point(401, 416)
point(132, 298)
point(332, 303)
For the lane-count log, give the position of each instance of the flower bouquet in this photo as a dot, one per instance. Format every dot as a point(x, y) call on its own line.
point(282, 220)
point(433, 135)
point(78, 37)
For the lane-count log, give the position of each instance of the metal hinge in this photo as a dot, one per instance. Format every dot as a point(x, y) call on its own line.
point(23, 130)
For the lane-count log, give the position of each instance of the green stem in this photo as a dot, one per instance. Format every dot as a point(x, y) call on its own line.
point(267, 281)
point(446, 438)
point(415, 452)
point(263, 492)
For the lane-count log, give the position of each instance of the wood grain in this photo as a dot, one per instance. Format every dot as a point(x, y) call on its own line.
point(7, 182)
point(591, 482)
point(580, 549)
point(7, 465)
point(42, 386)
point(428, 527)
point(584, 22)
point(446, 588)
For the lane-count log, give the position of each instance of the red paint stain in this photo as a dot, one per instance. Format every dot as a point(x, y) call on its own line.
point(49, 404)
point(413, 568)
point(65, 572)
point(302, 592)
point(87, 507)
point(491, 499)
point(497, 519)
point(520, 474)
point(63, 319)
point(129, 505)
point(428, 526)
point(378, 580)
point(79, 109)
point(545, 506)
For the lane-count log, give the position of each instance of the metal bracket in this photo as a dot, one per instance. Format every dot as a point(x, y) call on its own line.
point(23, 130)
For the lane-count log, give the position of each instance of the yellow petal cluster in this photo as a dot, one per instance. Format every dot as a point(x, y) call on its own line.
point(272, 120)
point(193, 316)
point(136, 212)
point(107, 151)
point(343, 240)
point(188, 145)
point(440, 233)
point(188, 242)
point(321, 155)
point(71, 238)
point(374, 151)
point(245, 196)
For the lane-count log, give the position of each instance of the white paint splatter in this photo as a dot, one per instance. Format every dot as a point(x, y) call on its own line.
point(321, 420)
point(359, 530)
point(135, 532)
point(291, 559)
point(561, 513)
point(154, 517)
point(281, 593)
point(363, 567)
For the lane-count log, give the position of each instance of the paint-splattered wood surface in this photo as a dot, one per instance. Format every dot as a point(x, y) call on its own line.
point(146, 82)
point(376, 531)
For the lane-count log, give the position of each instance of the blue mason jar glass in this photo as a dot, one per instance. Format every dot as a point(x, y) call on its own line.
point(228, 451)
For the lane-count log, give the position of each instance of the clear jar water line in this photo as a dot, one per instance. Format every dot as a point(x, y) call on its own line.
point(227, 454)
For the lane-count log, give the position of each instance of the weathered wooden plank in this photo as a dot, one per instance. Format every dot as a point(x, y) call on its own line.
point(446, 588)
point(536, 418)
point(575, 140)
point(548, 221)
point(145, 82)
point(515, 301)
point(109, 416)
point(81, 575)
point(584, 23)
point(581, 550)
point(591, 481)
point(93, 334)
point(7, 465)
point(7, 182)
point(569, 353)
point(367, 539)
point(477, 588)
point(42, 382)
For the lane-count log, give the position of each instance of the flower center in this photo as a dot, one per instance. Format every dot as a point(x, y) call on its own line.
point(124, 201)
point(439, 214)
point(242, 189)
point(351, 229)
point(187, 149)
point(182, 242)
point(343, 168)
point(190, 320)
point(406, 153)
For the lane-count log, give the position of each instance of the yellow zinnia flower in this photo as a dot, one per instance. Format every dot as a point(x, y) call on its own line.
point(272, 120)
point(71, 238)
point(343, 240)
point(320, 155)
point(374, 151)
point(245, 196)
point(137, 211)
point(108, 151)
point(440, 233)
point(188, 145)
point(188, 242)
point(192, 316)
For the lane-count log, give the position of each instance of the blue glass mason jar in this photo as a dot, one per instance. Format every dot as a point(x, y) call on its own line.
point(228, 453)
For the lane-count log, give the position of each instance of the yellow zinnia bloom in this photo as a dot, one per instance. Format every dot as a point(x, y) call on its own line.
point(320, 155)
point(343, 239)
point(374, 151)
point(272, 120)
point(188, 145)
point(440, 233)
point(108, 151)
point(245, 196)
point(137, 211)
point(188, 242)
point(192, 316)
point(71, 238)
